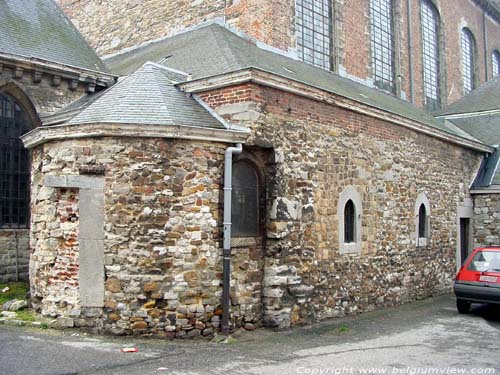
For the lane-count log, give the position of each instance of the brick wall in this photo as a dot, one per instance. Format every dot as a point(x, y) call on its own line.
point(113, 25)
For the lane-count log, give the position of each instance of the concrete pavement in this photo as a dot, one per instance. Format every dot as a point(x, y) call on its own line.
point(426, 337)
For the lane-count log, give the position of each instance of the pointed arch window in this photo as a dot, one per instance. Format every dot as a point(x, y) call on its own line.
point(244, 200)
point(495, 63)
point(422, 220)
point(14, 164)
point(314, 30)
point(382, 43)
point(430, 55)
point(349, 212)
point(468, 60)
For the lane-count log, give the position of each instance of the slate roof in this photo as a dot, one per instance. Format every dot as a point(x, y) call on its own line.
point(488, 172)
point(484, 98)
point(213, 49)
point(39, 29)
point(485, 128)
point(149, 97)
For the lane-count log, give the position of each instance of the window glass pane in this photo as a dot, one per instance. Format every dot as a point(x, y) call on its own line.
point(495, 63)
point(313, 23)
point(349, 222)
point(381, 28)
point(244, 201)
point(14, 165)
point(422, 218)
point(430, 54)
point(467, 42)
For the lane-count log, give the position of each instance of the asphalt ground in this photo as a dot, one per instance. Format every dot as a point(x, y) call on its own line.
point(425, 337)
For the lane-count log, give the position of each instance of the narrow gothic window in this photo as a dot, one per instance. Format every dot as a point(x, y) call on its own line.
point(430, 54)
point(314, 30)
point(349, 222)
point(468, 68)
point(14, 165)
point(382, 43)
point(422, 221)
point(495, 63)
point(244, 201)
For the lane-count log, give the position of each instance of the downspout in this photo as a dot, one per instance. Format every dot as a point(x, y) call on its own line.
point(485, 46)
point(226, 250)
point(410, 51)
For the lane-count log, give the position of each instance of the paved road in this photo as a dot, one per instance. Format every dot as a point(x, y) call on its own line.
point(427, 337)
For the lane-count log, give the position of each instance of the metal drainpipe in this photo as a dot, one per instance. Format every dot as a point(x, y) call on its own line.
point(410, 51)
point(226, 250)
point(485, 46)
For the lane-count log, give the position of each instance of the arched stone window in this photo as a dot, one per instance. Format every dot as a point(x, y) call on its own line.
point(431, 55)
point(349, 212)
point(14, 164)
point(382, 43)
point(422, 220)
point(495, 63)
point(468, 60)
point(245, 200)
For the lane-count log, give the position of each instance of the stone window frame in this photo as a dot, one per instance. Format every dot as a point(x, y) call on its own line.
point(422, 200)
point(327, 33)
point(440, 63)
point(350, 194)
point(468, 64)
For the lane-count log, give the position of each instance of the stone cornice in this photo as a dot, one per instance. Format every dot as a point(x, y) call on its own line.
point(299, 88)
point(56, 70)
point(45, 134)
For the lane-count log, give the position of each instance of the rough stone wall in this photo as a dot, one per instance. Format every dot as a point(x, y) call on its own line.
point(321, 149)
point(486, 221)
point(163, 264)
point(14, 255)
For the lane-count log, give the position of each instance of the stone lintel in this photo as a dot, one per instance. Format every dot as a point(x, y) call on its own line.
point(74, 182)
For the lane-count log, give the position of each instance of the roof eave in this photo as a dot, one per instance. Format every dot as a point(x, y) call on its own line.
point(274, 80)
point(55, 68)
point(45, 134)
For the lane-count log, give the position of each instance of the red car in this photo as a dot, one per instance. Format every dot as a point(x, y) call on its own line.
point(479, 279)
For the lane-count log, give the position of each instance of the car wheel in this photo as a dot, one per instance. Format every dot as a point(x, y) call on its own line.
point(463, 306)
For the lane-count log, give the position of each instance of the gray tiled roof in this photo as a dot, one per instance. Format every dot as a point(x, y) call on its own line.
point(39, 29)
point(486, 128)
point(484, 98)
point(149, 97)
point(213, 49)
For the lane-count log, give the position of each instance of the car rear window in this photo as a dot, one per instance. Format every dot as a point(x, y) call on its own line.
point(485, 261)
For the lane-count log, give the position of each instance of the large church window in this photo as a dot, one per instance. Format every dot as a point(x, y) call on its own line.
point(14, 165)
point(495, 63)
point(244, 201)
point(314, 30)
point(430, 55)
point(382, 43)
point(468, 67)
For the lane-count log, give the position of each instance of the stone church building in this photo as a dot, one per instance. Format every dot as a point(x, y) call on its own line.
point(177, 167)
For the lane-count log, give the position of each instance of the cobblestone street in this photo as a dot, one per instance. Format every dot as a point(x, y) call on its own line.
point(425, 337)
